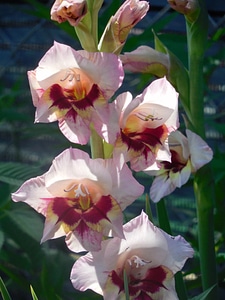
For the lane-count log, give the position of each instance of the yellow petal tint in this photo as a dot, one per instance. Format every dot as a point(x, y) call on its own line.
point(144, 131)
point(75, 80)
point(72, 92)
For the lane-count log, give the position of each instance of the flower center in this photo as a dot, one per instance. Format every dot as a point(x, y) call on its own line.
point(75, 79)
point(177, 162)
point(81, 195)
point(136, 267)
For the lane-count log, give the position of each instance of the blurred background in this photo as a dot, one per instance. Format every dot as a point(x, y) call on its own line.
point(27, 149)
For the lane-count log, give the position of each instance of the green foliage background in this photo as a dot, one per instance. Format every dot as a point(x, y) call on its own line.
point(27, 151)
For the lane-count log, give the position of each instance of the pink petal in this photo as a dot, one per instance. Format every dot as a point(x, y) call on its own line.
point(109, 75)
point(123, 178)
point(76, 132)
point(57, 58)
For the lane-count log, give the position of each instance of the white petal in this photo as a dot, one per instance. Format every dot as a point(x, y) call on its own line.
point(162, 186)
point(176, 137)
point(161, 92)
point(125, 187)
point(104, 68)
point(58, 57)
point(91, 270)
point(75, 132)
point(76, 164)
point(52, 229)
point(180, 178)
point(83, 275)
point(200, 152)
point(142, 238)
point(179, 250)
point(34, 193)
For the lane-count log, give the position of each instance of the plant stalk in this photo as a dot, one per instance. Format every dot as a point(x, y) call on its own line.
point(203, 187)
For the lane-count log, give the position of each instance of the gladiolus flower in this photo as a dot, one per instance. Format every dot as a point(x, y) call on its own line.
point(119, 25)
point(149, 256)
point(188, 155)
point(81, 198)
point(69, 10)
point(145, 124)
point(146, 60)
point(73, 87)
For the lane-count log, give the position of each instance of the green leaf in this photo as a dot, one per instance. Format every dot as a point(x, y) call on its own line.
point(178, 74)
point(27, 220)
point(148, 208)
point(203, 295)
point(33, 293)
point(2, 238)
point(4, 291)
point(16, 173)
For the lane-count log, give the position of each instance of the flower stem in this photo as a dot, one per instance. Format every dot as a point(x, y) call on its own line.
point(96, 142)
point(165, 225)
point(203, 188)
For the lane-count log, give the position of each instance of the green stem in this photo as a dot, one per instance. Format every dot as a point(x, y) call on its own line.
point(97, 150)
point(165, 225)
point(203, 188)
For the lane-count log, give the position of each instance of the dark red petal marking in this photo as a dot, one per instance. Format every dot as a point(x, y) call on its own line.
point(175, 165)
point(131, 143)
point(71, 214)
point(99, 210)
point(65, 212)
point(153, 280)
point(65, 98)
point(59, 98)
point(89, 99)
point(145, 141)
point(152, 283)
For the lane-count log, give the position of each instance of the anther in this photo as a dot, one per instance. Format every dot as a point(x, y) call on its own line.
point(146, 118)
point(138, 261)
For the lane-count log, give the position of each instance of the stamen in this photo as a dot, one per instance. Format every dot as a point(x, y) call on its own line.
point(146, 118)
point(78, 191)
point(70, 189)
point(138, 261)
point(68, 73)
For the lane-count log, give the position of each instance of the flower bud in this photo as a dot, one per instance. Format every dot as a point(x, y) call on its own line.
point(190, 8)
point(69, 10)
point(146, 60)
point(119, 26)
